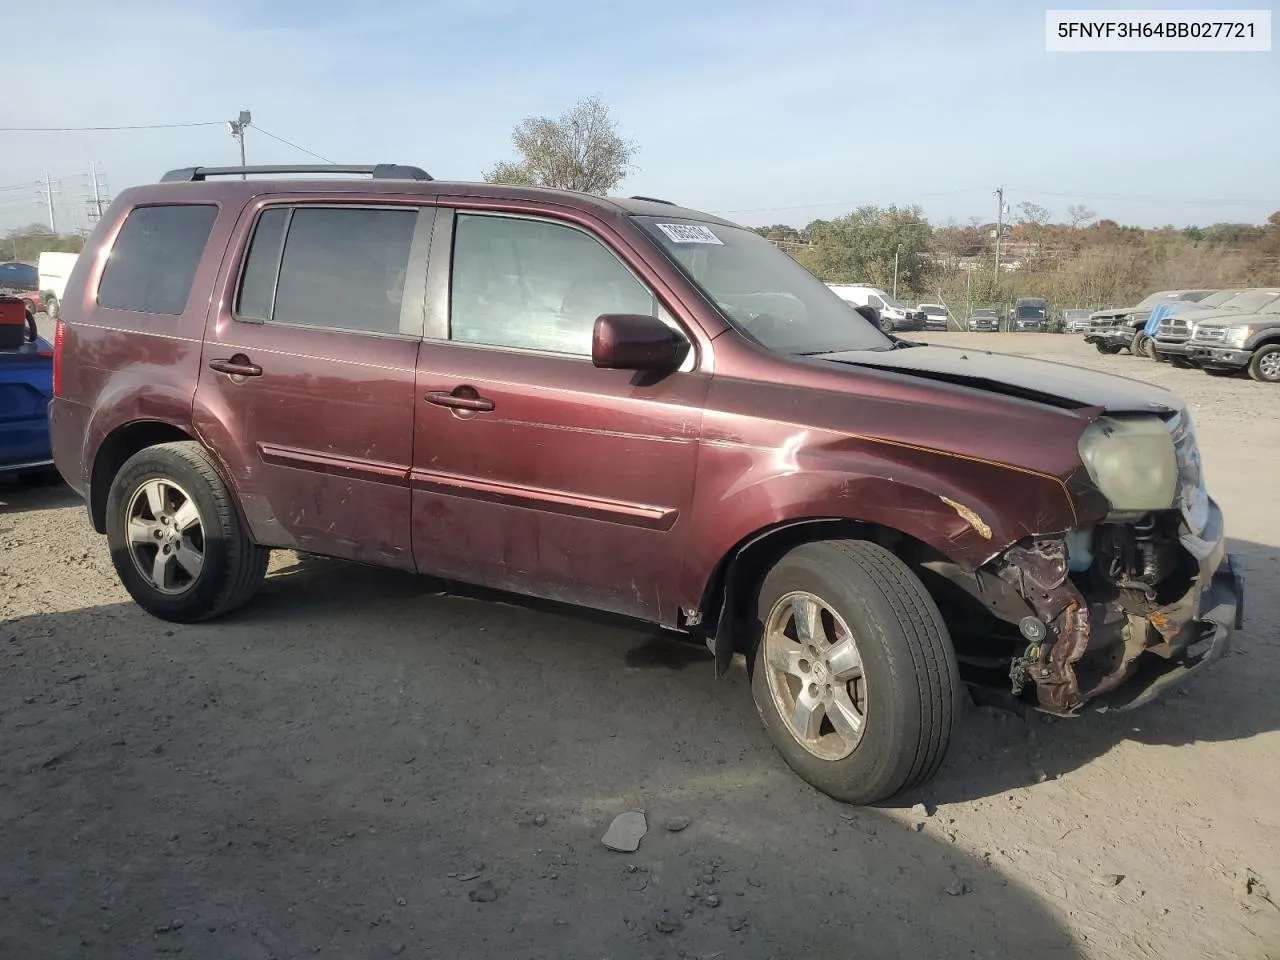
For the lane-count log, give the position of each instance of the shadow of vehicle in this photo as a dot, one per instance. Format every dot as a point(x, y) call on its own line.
point(48, 493)
point(359, 765)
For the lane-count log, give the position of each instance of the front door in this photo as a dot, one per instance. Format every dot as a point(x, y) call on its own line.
point(534, 471)
point(307, 379)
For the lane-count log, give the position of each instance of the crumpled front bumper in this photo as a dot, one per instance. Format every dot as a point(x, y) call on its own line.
point(1220, 613)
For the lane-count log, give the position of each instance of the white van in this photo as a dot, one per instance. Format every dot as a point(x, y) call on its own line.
point(894, 314)
point(54, 269)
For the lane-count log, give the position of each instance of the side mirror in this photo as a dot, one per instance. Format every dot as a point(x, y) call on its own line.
point(870, 314)
point(625, 341)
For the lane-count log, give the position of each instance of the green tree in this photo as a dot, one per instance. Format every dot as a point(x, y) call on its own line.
point(27, 243)
point(580, 150)
point(860, 248)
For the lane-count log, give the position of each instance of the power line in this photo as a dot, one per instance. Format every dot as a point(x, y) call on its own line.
point(1140, 198)
point(850, 203)
point(290, 143)
point(133, 126)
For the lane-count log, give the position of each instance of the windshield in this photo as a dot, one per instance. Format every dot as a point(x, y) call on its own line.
point(762, 291)
point(896, 304)
point(1219, 298)
point(933, 310)
point(1030, 310)
point(984, 313)
point(1251, 300)
point(1074, 314)
point(21, 276)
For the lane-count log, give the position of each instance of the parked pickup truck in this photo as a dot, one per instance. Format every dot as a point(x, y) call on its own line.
point(1172, 324)
point(1247, 342)
point(1114, 330)
point(26, 387)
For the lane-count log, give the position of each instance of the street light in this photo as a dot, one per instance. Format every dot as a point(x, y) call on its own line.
point(237, 128)
point(895, 271)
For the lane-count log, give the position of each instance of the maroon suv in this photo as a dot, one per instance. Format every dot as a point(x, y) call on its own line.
point(635, 407)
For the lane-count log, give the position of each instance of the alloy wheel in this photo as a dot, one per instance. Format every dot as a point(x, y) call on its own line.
point(166, 536)
point(815, 675)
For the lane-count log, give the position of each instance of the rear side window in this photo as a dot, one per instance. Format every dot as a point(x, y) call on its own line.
point(340, 268)
point(154, 260)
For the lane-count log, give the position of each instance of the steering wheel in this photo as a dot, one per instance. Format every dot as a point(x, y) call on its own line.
point(762, 324)
point(32, 333)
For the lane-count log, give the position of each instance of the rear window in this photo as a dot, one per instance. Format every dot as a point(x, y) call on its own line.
point(154, 260)
point(337, 268)
point(18, 276)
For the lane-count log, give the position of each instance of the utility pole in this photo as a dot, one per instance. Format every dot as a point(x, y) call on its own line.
point(48, 195)
point(96, 202)
point(237, 128)
point(999, 195)
point(895, 271)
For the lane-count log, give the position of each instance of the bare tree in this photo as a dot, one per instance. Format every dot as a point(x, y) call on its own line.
point(1079, 215)
point(1034, 214)
point(580, 150)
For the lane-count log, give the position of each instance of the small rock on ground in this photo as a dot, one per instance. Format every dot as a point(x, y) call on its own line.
point(667, 922)
point(676, 824)
point(483, 892)
point(957, 887)
point(626, 831)
point(1108, 879)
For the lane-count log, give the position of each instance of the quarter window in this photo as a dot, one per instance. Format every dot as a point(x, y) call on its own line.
point(328, 267)
point(533, 285)
point(153, 262)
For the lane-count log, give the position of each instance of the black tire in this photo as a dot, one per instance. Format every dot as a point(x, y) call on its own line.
point(1138, 345)
point(912, 683)
point(1266, 370)
point(233, 565)
point(51, 307)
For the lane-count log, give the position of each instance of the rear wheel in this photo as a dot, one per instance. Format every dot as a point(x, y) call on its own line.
point(51, 307)
point(176, 538)
point(1265, 365)
point(853, 676)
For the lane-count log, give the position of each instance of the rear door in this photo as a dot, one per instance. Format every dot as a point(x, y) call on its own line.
point(535, 471)
point(307, 383)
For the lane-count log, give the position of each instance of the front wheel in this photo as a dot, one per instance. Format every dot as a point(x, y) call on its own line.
point(1265, 365)
point(1138, 345)
point(51, 307)
point(853, 674)
point(177, 541)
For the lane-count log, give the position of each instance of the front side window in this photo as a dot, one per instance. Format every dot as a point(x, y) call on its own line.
point(761, 291)
point(331, 267)
point(153, 262)
point(875, 301)
point(534, 285)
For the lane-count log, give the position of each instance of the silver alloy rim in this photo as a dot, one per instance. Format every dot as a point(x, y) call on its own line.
point(815, 675)
point(1270, 366)
point(166, 536)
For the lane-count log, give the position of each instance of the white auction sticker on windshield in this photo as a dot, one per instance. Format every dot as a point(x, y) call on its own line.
point(689, 233)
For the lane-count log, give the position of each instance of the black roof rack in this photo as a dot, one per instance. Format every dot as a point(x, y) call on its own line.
point(654, 200)
point(379, 171)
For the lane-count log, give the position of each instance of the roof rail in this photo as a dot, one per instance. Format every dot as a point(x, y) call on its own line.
point(379, 171)
point(654, 200)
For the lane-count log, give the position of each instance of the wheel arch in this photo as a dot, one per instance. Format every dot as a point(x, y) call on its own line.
point(735, 579)
point(115, 449)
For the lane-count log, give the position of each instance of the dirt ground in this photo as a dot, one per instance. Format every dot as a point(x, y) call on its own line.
point(367, 764)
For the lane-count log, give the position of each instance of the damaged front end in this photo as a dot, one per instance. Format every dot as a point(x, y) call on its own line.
point(1115, 612)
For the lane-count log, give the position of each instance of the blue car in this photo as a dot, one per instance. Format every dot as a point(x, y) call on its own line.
point(26, 387)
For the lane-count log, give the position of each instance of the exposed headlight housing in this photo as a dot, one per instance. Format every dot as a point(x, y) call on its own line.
point(1236, 336)
point(1132, 462)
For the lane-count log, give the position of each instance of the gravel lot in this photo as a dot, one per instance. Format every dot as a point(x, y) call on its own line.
point(367, 764)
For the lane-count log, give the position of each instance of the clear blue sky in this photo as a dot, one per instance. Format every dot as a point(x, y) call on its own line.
point(764, 111)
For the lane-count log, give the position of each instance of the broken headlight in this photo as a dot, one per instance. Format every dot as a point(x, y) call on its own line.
point(1132, 462)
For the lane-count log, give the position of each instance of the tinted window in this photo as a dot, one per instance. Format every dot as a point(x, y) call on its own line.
point(258, 285)
point(341, 268)
point(155, 257)
point(19, 276)
point(535, 285)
